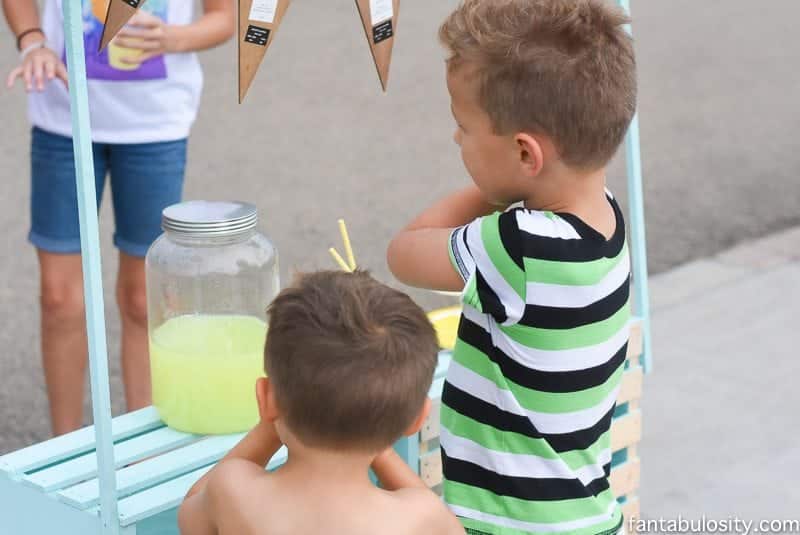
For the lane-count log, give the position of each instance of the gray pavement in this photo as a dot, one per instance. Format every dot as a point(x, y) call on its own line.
point(720, 408)
point(316, 141)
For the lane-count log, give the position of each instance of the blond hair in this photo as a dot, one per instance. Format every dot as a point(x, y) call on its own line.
point(561, 68)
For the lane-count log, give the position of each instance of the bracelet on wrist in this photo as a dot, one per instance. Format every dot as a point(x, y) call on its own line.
point(27, 32)
point(30, 48)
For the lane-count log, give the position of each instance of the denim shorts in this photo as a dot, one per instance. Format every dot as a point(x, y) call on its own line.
point(145, 179)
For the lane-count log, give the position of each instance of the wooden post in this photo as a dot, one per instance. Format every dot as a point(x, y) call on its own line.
point(379, 18)
point(258, 24)
point(641, 293)
point(90, 255)
point(118, 14)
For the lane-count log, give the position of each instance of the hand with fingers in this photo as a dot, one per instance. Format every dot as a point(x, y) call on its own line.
point(148, 35)
point(39, 66)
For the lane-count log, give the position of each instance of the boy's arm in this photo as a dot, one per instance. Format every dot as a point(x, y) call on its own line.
point(393, 473)
point(151, 34)
point(419, 255)
point(257, 447)
point(197, 514)
point(196, 517)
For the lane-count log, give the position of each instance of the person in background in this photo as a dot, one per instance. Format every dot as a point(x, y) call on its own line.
point(144, 94)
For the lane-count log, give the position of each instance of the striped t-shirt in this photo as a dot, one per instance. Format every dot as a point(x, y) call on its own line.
point(528, 401)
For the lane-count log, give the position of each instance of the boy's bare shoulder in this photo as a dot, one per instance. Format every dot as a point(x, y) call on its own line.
point(230, 475)
point(236, 491)
point(235, 481)
point(428, 511)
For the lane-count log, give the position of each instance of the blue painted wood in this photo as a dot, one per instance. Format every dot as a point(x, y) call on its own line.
point(165, 523)
point(77, 443)
point(26, 511)
point(437, 387)
point(86, 467)
point(159, 499)
point(90, 249)
point(408, 449)
point(445, 357)
point(169, 495)
point(278, 459)
point(154, 471)
point(619, 457)
point(638, 230)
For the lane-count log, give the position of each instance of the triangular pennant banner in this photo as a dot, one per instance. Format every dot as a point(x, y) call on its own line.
point(118, 14)
point(380, 24)
point(258, 24)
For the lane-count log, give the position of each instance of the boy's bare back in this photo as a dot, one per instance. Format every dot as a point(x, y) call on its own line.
point(281, 504)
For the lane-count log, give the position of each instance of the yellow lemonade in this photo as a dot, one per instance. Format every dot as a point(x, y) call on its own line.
point(204, 369)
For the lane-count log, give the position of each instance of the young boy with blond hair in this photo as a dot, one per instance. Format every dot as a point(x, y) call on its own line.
point(349, 363)
point(543, 92)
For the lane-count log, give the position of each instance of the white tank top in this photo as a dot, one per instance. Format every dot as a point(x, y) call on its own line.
point(153, 101)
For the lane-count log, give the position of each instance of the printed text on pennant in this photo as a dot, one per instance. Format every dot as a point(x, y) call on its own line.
point(256, 35)
point(382, 31)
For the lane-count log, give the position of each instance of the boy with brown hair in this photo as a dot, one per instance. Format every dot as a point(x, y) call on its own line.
point(543, 92)
point(349, 364)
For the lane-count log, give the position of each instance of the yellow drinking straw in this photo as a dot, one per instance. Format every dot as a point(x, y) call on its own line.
point(339, 260)
point(350, 265)
point(348, 249)
point(444, 320)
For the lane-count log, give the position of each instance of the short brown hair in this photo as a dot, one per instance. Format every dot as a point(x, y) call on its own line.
point(351, 360)
point(562, 68)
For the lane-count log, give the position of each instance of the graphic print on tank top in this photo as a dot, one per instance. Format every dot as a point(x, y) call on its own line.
point(108, 64)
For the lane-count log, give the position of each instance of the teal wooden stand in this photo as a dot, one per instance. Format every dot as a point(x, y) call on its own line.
point(56, 486)
point(127, 476)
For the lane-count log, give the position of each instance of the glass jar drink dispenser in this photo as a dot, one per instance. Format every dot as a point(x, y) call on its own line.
point(210, 277)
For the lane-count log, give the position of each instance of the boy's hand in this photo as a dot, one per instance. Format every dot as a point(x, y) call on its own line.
point(393, 473)
point(39, 67)
point(149, 34)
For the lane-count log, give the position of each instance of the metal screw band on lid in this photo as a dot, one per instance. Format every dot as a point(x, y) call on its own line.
point(208, 218)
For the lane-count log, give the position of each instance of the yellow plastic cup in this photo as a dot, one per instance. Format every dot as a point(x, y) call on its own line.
point(116, 53)
point(445, 321)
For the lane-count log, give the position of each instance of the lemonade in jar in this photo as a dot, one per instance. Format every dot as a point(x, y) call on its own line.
point(210, 277)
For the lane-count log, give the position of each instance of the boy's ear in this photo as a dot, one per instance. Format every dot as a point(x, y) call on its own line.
point(419, 421)
point(265, 394)
point(531, 154)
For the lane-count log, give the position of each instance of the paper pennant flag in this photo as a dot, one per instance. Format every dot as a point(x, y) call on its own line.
point(118, 14)
point(258, 24)
point(380, 24)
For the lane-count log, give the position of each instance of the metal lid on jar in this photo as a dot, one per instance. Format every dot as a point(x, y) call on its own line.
point(209, 218)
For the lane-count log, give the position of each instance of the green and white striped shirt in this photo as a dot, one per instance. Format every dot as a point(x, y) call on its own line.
point(528, 401)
